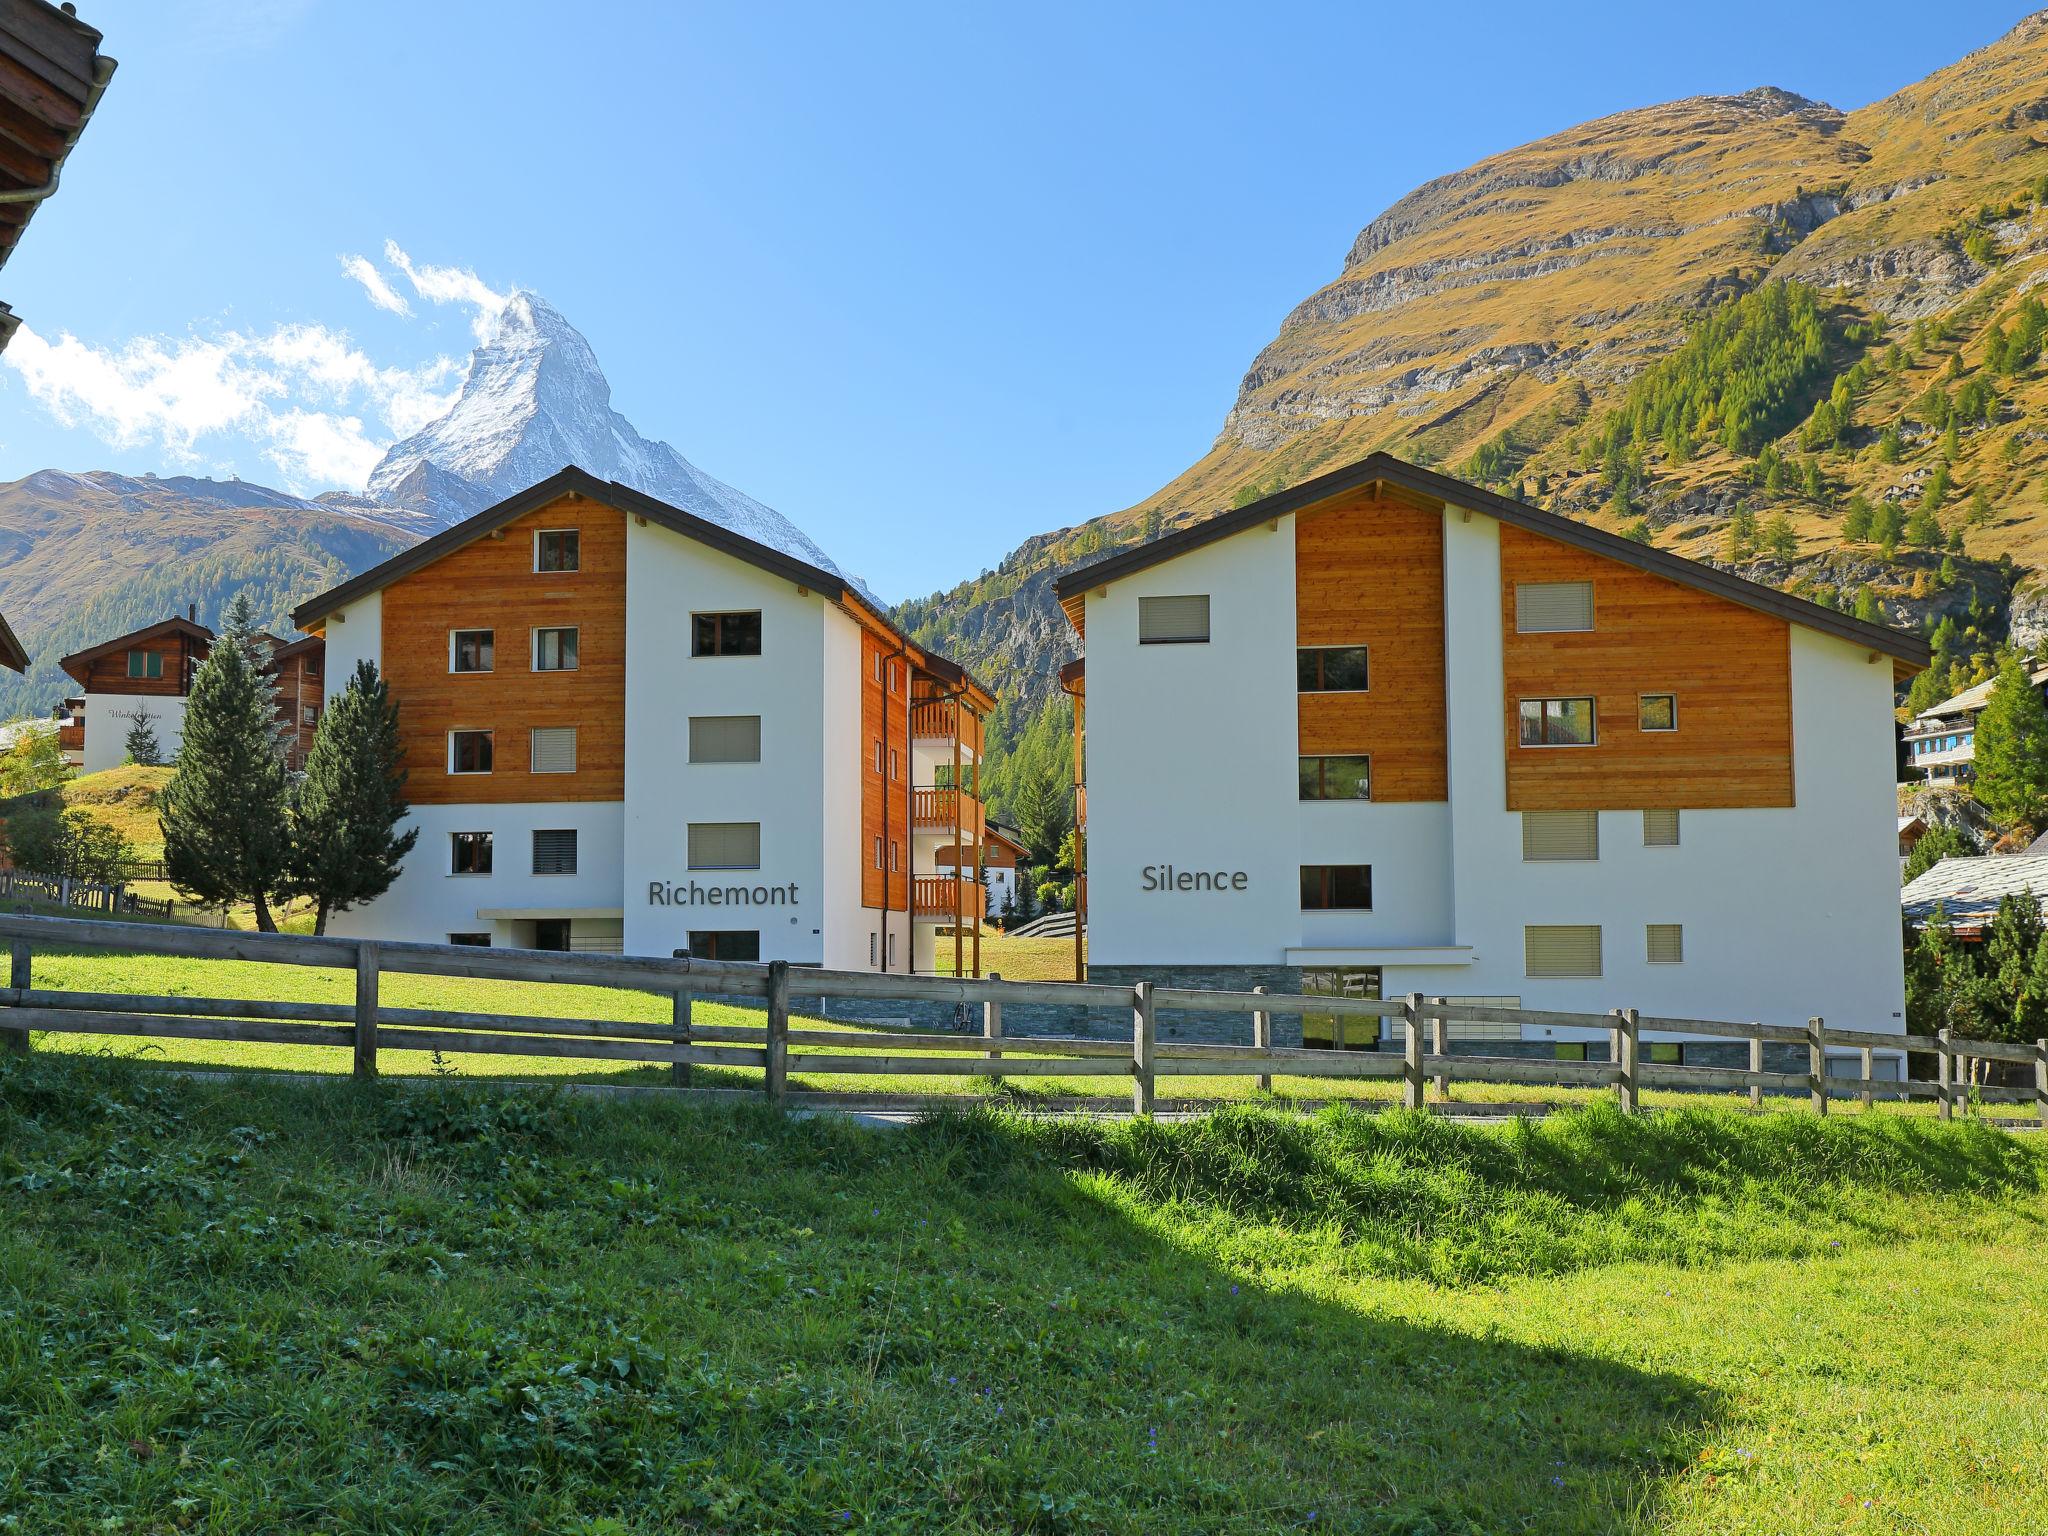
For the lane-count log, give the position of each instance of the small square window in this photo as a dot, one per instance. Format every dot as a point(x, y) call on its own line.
point(558, 549)
point(469, 751)
point(470, 853)
point(469, 650)
point(553, 749)
point(1660, 829)
point(1657, 711)
point(554, 851)
point(1665, 942)
point(145, 664)
point(554, 650)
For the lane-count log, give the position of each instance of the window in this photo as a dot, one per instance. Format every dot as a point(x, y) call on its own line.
point(1557, 722)
point(309, 714)
point(554, 748)
point(147, 664)
point(1336, 887)
point(1330, 668)
point(1666, 943)
point(1557, 835)
point(1660, 829)
point(878, 666)
point(1561, 949)
point(878, 853)
point(894, 849)
point(471, 940)
point(725, 845)
point(554, 851)
point(725, 944)
point(469, 751)
point(1552, 607)
point(1657, 711)
point(725, 634)
point(1173, 620)
point(873, 941)
point(558, 549)
point(725, 738)
point(1336, 1031)
point(554, 650)
point(1336, 778)
point(471, 854)
point(895, 770)
point(469, 650)
point(878, 757)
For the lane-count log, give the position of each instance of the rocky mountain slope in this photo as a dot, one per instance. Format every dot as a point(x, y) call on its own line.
point(1491, 321)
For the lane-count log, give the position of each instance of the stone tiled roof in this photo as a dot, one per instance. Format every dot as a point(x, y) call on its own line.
point(1968, 889)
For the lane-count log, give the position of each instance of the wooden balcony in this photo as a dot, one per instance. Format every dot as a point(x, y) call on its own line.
point(935, 721)
point(934, 810)
point(942, 899)
point(71, 738)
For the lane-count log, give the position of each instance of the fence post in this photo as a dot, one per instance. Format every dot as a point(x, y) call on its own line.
point(1262, 1039)
point(679, 1023)
point(1756, 1064)
point(2040, 1080)
point(1438, 1034)
point(1944, 1075)
point(778, 1031)
point(1869, 1068)
point(992, 1021)
point(16, 1040)
point(366, 1008)
point(1143, 1042)
point(1817, 1065)
point(1630, 1033)
point(1411, 1065)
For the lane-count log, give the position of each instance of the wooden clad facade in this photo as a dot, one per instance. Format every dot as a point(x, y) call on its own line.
point(1729, 667)
point(490, 583)
point(297, 672)
point(884, 791)
point(1369, 571)
point(179, 645)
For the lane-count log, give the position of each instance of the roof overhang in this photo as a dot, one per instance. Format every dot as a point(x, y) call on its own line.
point(13, 655)
point(78, 665)
point(1910, 653)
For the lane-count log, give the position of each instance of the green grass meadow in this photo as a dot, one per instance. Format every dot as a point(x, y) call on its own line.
point(262, 1306)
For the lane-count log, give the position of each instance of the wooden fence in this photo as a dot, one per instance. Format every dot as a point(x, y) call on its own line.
point(367, 1026)
point(20, 885)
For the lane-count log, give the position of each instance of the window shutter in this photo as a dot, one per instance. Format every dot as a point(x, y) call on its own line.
point(1561, 949)
point(725, 845)
point(1166, 620)
point(1660, 829)
point(725, 738)
point(554, 749)
point(1543, 607)
point(1666, 943)
point(554, 851)
point(1548, 835)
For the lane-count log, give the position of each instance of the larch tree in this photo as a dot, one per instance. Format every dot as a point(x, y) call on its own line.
point(345, 809)
point(2012, 748)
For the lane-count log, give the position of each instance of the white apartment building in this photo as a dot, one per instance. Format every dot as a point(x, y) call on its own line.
point(630, 729)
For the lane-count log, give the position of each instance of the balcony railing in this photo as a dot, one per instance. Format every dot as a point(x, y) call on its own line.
point(935, 810)
point(942, 898)
point(935, 721)
point(71, 738)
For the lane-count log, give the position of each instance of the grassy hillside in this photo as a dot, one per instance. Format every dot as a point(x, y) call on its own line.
point(529, 1314)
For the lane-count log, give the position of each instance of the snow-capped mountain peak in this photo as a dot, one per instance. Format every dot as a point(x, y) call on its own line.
point(534, 400)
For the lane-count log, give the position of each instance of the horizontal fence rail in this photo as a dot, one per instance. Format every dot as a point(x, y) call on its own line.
point(1420, 1025)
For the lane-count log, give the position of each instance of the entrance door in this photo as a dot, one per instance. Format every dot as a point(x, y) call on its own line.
point(551, 933)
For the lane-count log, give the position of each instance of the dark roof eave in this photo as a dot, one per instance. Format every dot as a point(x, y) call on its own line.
point(92, 653)
point(1376, 467)
point(13, 655)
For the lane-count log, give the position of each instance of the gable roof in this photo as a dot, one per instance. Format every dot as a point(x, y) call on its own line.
point(1910, 651)
point(569, 480)
point(1968, 889)
point(1972, 698)
point(79, 663)
point(12, 654)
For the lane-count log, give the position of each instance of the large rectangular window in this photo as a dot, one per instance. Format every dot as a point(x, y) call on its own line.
point(558, 549)
point(1557, 722)
point(145, 664)
point(469, 751)
point(1336, 887)
point(469, 650)
point(554, 748)
point(554, 851)
point(1336, 778)
point(725, 845)
point(1173, 620)
point(1561, 950)
point(470, 853)
point(554, 650)
point(725, 738)
point(732, 944)
point(725, 634)
point(1331, 668)
point(1549, 607)
point(1548, 835)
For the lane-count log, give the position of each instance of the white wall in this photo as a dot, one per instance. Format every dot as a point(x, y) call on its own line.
point(355, 633)
point(110, 716)
point(842, 747)
point(668, 577)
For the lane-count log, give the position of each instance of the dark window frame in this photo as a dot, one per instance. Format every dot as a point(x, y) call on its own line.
point(474, 841)
point(575, 651)
point(1322, 760)
point(574, 545)
point(575, 851)
point(455, 739)
point(722, 641)
point(487, 651)
point(1591, 701)
point(1328, 896)
point(716, 940)
point(1321, 655)
point(470, 940)
point(1642, 699)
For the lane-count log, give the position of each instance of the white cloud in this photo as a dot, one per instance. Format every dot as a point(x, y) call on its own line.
point(381, 293)
point(451, 285)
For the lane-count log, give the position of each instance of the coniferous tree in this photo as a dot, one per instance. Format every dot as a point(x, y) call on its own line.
point(345, 809)
point(2010, 945)
point(223, 810)
point(1778, 537)
point(141, 743)
point(2012, 748)
point(1886, 526)
point(1923, 528)
point(1856, 520)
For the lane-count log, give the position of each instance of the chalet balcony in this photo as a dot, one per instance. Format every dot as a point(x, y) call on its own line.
point(935, 721)
point(940, 810)
point(943, 899)
point(71, 738)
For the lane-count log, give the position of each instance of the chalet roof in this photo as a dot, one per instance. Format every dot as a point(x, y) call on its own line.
point(1967, 890)
point(570, 480)
point(12, 654)
point(51, 77)
point(305, 643)
point(1971, 699)
point(1910, 652)
point(1001, 832)
point(79, 663)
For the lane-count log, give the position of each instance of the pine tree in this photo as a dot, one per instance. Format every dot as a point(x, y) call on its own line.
point(1779, 539)
point(1886, 527)
point(2010, 945)
point(345, 809)
point(223, 810)
point(1980, 508)
point(2012, 748)
point(1890, 445)
point(1856, 520)
point(1923, 528)
point(1739, 543)
point(141, 743)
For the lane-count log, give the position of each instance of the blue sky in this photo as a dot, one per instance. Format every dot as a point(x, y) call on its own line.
point(927, 279)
